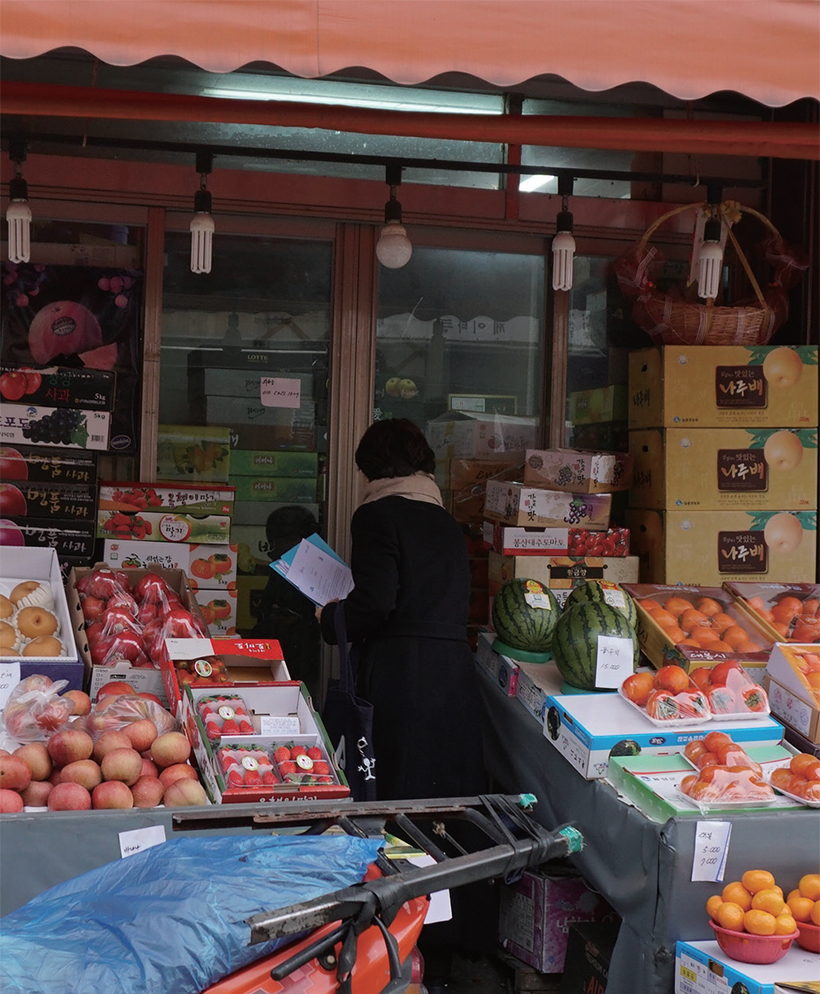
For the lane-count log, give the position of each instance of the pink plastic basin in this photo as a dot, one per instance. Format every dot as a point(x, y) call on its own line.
point(748, 948)
point(808, 936)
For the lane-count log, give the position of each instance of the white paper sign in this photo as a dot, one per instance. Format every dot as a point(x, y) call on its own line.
point(9, 678)
point(439, 909)
point(279, 391)
point(614, 662)
point(278, 724)
point(141, 838)
point(711, 849)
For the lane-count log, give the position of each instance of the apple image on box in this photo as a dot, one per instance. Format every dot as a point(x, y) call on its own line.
point(12, 501)
point(12, 465)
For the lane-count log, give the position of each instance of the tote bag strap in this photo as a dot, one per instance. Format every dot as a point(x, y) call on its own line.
point(347, 670)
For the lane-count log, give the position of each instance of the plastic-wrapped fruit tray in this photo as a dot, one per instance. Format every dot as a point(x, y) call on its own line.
point(695, 722)
point(796, 797)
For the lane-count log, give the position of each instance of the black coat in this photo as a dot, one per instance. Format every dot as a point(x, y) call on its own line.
point(408, 613)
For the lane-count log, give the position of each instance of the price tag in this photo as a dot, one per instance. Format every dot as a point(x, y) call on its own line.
point(141, 838)
point(279, 391)
point(540, 601)
point(9, 678)
point(614, 661)
point(711, 849)
point(279, 724)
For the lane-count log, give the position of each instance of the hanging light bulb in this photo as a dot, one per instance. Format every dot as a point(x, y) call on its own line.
point(710, 260)
point(563, 244)
point(18, 214)
point(202, 223)
point(394, 248)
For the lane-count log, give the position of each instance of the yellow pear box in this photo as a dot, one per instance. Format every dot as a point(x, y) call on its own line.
point(719, 386)
point(714, 468)
point(707, 548)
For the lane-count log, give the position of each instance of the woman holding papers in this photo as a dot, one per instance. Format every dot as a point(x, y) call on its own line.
point(407, 613)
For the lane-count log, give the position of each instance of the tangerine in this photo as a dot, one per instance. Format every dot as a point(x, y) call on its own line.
point(755, 880)
point(735, 893)
point(730, 915)
point(712, 905)
point(815, 913)
point(800, 906)
point(759, 922)
point(809, 886)
point(784, 925)
point(769, 900)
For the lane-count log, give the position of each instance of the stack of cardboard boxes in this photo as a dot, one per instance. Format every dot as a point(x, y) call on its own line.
point(724, 442)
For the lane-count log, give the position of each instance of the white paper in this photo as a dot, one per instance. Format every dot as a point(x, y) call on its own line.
point(141, 838)
point(614, 662)
point(278, 724)
point(439, 909)
point(279, 391)
point(319, 576)
point(711, 849)
point(9, 678)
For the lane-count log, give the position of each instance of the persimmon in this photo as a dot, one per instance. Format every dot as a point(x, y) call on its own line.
point(673, 633)
point(695, 748)
point(720, 672)
point(701, 676)
point(720, 622)
point(789, 603)
point(712, 738)
point(810, 606)
point(692, 619)
point(719, 646)
point(677, 605)
point(672, 678)
point(663, 618)
point(750, 646)
point(688, 783)
point(637, 687)
point(734, 635)
point(709, 606)
point(704, 636)
point(802, 761)
point(649, 605)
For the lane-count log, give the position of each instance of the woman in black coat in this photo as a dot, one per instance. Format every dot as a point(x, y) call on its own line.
point(408, 615)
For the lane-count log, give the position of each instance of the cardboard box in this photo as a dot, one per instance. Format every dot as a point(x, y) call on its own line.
point(652, 783)
point(456, 474)
point(43, 565)
point(466, 435)
point(73, 539)
point(211, 566)
point(708, 548)
point(718, 386)
point(562, 573)
point(502, 669)
point(89, 430)
point(661, 650)
point(266, 463)
point(196, 453)
point(518, 504)
point(25, 500)
point(286, 705)
point(42, 465)
point(514, 541)
point(790, 664)
point(574, 471)
point(703, 968)
point(800, 742)
point(165, 526)
point(212, 499)
point(536, 913)
point(598, 405)
point(589, 951)
point(585, 727)
point(284, 489)
point(760, 598)
point(536, 683)
point(218, 609)
point(715, 468)
point(793, 710)
point(141, 678)
point(289, 437)
point(63, 386)
point(265, 361)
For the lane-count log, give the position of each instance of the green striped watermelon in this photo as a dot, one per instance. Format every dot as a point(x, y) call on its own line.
point(524, 614)
point(575, 640)
point(604, 592)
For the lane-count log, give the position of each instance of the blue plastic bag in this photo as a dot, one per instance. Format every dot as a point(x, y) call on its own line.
point(170, 919)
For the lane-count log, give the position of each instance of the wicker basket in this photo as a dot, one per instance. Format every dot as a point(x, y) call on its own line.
point(671, 321)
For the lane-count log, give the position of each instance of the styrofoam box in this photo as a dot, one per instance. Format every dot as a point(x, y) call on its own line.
point(585, 727)
point(792, 710)
point(703, 968)
point(43, 565)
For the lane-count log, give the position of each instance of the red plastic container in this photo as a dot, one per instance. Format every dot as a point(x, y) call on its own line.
point(747, 948)
point(808, 936)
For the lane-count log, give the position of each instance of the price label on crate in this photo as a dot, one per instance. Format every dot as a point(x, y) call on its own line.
point(279, 391)
point(711, 849)
point(614, 661)
point(9, 678)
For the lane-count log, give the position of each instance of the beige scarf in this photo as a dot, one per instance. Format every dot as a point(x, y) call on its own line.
point(419, 486)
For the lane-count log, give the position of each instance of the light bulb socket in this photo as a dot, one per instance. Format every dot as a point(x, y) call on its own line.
point(18, 188)
point(392, 211)
point(202, 202)
point(564, 221)
point(712, 230)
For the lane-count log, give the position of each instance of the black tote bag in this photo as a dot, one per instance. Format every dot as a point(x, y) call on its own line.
point(349, 721)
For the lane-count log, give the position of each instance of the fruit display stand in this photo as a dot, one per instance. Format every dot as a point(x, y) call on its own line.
point(642, 867)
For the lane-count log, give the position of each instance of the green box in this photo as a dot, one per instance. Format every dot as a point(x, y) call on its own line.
point(288, 489)
point(193, 452)
point(263, 464)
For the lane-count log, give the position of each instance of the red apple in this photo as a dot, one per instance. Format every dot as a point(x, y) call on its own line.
point(94, 633)
point(12, 465)
point(118, 619)
point(181, 624)
point(102, 583)
point(10, 801)
point(115, 687)
point(69, 797)
point(12, 501)
point(11, 534)
point(93, 607)
point(152, 587)
point(123, 600)
point(13, 385)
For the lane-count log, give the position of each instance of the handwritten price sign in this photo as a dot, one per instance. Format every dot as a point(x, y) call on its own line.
point(614, 661)
point(9, 678)
point(711, 849)
point(277, 391)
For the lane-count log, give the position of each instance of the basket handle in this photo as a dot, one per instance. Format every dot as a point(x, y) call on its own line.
point(722, 209)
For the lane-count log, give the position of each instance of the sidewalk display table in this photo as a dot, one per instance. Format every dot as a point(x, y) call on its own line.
point(641, 867)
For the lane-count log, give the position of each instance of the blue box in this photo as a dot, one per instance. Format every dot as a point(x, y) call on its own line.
point(703, 968)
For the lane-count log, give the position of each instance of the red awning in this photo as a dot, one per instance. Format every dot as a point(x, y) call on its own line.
point(768, 50)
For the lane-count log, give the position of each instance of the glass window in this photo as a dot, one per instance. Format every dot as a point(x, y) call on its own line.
point(243, 401)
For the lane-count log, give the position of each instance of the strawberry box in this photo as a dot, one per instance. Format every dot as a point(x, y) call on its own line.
point(678, 624)
point(254, 767)
point(164, 526)
point(787, 612)
point(204, 499)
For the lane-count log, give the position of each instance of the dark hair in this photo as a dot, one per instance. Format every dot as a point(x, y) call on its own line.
point(394, 447)
point(289, 522)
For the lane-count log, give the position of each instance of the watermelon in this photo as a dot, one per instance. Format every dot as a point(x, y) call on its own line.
point(575, 640)
point(524, 615)
point(604, 592)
